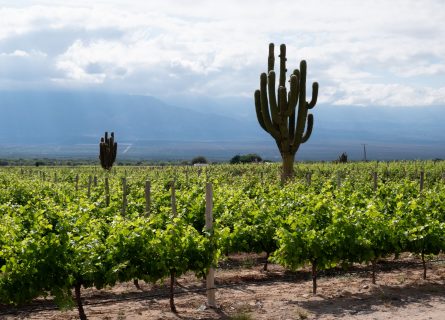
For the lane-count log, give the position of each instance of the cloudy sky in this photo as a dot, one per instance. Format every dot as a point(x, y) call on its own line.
point(367, 52)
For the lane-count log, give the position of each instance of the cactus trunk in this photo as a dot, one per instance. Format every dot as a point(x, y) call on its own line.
point(288, 167)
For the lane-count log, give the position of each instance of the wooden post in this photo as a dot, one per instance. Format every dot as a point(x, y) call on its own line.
point(107, 192)
point(55, 177)
point(89, 186)
point(422, 175)
point(173, 198)
point(375, 180)
point(95, 181)
point(210, 278)
point(124, 195)
point(309, 178)
point(147, 197)
point(77, 182)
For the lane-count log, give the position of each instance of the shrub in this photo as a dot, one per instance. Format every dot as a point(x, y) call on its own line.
point(247, 158)
point(199, 159)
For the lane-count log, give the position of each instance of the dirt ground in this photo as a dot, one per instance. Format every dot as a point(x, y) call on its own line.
point(247, 292)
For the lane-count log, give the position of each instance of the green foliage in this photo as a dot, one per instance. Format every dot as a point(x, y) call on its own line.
point(53, 237)
point(308, 234)
point(199, 159)
point(247, 158)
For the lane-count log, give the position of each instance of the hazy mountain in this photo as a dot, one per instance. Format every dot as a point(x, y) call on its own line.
point(71, 124)
point(61, 117)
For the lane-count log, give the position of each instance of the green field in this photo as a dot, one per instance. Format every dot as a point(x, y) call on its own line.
point(58, 233)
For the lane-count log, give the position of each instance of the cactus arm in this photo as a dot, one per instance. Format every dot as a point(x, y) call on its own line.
point(283, 65)
point(107, 148)
point(113, 149)
point(283, 122)
point(271, 58)
point(114, 152)
point(282, 98)
point(310, 125)
point(292, 127)
point(302, 107)
point(289, 102)
point(295, 87)
point(292, 102)
point(300, 125)
point(101, 154)
point(111, 141)
point(314, 96)
point(301, 119)
point(265, 108)
point(272, 98)
point(283, 106)
point(302, 88)
point(258, 110)
point(282, 80)
point(293, 94)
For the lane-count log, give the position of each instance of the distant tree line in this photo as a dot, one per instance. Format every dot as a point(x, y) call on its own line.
point(37, 162)
point(199, 160)
point(247, 158)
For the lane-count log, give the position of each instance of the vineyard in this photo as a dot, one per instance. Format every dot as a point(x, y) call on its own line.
point(66, 229)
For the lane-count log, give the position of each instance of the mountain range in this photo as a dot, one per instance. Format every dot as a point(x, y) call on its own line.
point(70, 124)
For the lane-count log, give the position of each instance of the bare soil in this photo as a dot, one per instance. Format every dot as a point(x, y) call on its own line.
point(245, 291)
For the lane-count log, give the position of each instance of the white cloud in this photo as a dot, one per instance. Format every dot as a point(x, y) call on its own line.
point(421, 69)
point(396, 95)
point(16, 53)
point(360, 52)
point(23, 54)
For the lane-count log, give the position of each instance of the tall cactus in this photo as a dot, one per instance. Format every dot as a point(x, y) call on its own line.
point(108, 151)
point(278, 114)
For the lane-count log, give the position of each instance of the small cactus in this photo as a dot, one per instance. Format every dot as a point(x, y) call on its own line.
point(343, 158)
point(108, 151)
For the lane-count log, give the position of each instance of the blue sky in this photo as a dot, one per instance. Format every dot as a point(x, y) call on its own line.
point(386, 53)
